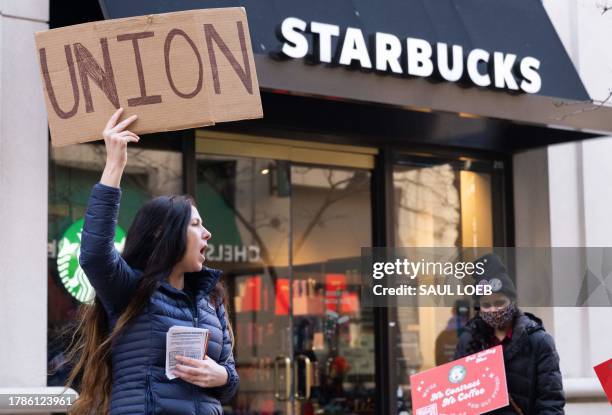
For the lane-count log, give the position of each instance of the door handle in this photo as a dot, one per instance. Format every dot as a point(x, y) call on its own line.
point(307, 373)
point(287, 393)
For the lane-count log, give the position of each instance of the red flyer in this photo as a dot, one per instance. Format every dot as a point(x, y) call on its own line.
point(281, 304)
point(472, 385)
point(335, 285)
point(252, 296)
point(604, 373)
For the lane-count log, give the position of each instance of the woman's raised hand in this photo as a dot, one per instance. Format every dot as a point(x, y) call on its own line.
point(116, 139)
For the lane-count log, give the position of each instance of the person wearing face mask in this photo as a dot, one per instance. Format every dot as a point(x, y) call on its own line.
point(530, 357)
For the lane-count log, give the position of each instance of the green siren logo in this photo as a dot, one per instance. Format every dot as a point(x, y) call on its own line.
point(72, 275)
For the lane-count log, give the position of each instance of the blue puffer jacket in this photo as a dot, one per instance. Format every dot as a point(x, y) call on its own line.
point(140, 385)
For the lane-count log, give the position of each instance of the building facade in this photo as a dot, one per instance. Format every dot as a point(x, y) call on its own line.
point(351, 153)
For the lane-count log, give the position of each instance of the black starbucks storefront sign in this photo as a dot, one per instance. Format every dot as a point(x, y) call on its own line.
point(337, 50)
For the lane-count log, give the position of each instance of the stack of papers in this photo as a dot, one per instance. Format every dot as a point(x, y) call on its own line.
point(184, 341)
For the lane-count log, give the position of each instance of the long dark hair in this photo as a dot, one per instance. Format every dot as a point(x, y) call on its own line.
point(156, 241)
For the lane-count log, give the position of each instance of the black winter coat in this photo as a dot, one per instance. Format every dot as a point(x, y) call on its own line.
point(140, 385)
point(532, 366)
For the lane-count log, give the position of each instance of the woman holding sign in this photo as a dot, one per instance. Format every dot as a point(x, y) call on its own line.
point(158, 282)
point(530, 357)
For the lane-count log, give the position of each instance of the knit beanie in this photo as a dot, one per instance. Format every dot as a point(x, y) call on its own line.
point(495, 275)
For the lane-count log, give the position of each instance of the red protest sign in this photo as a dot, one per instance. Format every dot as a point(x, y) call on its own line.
point(604, 373)
point(469, 386)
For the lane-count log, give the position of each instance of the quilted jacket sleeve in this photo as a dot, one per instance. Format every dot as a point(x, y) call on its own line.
point(111, 277)
point(549, 397)
point(227, 391)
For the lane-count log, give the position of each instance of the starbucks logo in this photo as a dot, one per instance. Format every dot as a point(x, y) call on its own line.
point(457, 374)
point(71, 274)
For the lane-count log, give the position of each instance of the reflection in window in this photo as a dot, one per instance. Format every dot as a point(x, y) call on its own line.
point(427, 206)
point(331, 213)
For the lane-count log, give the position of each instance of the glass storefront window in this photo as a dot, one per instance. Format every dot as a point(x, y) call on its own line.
point(73, 171)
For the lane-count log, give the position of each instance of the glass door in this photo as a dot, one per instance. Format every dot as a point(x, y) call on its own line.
point(333, 335)
point(288, 236)
point(440, 203)
point(245, 203)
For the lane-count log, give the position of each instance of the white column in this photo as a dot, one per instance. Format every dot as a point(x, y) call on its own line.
point(597, 176)
point(562, 196)
point(581, 191)
point(23, 197)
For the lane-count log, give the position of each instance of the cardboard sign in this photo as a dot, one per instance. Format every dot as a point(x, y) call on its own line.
point(604, 373)
point(175, 70)
point(473, 385)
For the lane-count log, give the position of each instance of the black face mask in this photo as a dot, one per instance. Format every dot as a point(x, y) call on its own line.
point(498, 319)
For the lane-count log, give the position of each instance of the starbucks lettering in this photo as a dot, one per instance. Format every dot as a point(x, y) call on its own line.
point(410, 56)
point(176, 70)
